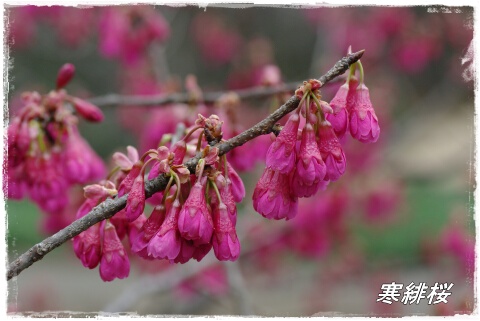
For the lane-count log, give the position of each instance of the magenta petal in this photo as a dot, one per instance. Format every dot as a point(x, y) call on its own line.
point(136, 199)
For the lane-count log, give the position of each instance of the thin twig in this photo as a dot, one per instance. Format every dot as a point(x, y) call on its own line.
point(208, 98)
point(184, 98)
point(109, 207)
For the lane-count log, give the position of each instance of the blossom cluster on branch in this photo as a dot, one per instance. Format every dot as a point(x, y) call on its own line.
point(46, 153)
point(302, 161)
point(197, 208)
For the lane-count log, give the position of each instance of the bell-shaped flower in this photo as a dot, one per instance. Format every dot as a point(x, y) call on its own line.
point(281, 154)
point(114, 262)
point(195, 220)
point(310, 169)
point(272, 196)
point(331, 151)
point(363, 120)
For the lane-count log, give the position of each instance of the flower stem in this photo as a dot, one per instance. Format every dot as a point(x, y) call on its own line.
point(200, 167)
point(187, 136)
point(112, 172)
point(167, 188)
point(199, 143)
point(216, 190)
point(353, 67)
point(360, 67)
point(142, 171)
point(225, 166)
point(319, 109)
point(307, 108)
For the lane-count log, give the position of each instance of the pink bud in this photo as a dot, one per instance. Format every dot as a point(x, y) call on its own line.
point(281, 154)
point(225, 241)
point(65, 74)
point(87, 246)
point(166, 243)
point(126, 184)
point(120, 222)
point(154, 171)
point(339, 118)
point(238, 189)
point(95, 191)
point(149, 228)
point(310, 169)
point(114, 262)
point(331, 151)
point(272, 197)
point(363, 121)
point(228, 198)
point(136, 199)
point(179, 149)
point(134, 228)
point(195, 220)
point(87, 110)
point(125, 162)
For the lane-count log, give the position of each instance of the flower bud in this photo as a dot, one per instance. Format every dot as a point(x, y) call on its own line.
point(65, 74)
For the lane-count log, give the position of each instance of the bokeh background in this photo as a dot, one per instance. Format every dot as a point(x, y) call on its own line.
point(402, 213)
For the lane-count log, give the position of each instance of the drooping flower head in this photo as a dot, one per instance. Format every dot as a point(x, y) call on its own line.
point(281, 154)
point(43, 138)
point(310, 169)
point(272, 196)
point(363, 120)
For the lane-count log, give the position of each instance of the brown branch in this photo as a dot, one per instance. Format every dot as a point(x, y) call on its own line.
point(109, 207)
point(208, 98)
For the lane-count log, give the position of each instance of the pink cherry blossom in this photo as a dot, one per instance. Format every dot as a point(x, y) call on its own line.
point(331, 151)
point(310, 169)
point(363, 121)
point(87, 246)
point(166, 244)
point(272, 196)
point(195, 220)
point(65, 74)
point(114, 262)
point(136, 199)
point(149, 228)
point(281, 154)
point(226, 244)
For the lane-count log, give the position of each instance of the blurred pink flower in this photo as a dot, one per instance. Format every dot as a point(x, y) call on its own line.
point(217, 43)
point(126, 32)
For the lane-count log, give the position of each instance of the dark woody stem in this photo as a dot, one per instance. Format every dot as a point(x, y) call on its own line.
point(110, 207)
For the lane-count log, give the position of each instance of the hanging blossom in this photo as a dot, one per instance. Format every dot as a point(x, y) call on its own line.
point(195, 213)
point(101, 244)
point(46, 154)
point(307, 154)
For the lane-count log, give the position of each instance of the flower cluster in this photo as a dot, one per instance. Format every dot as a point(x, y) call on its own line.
point(46, 154)
point(194, 213)
point(301, 161)
point(101, 244)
